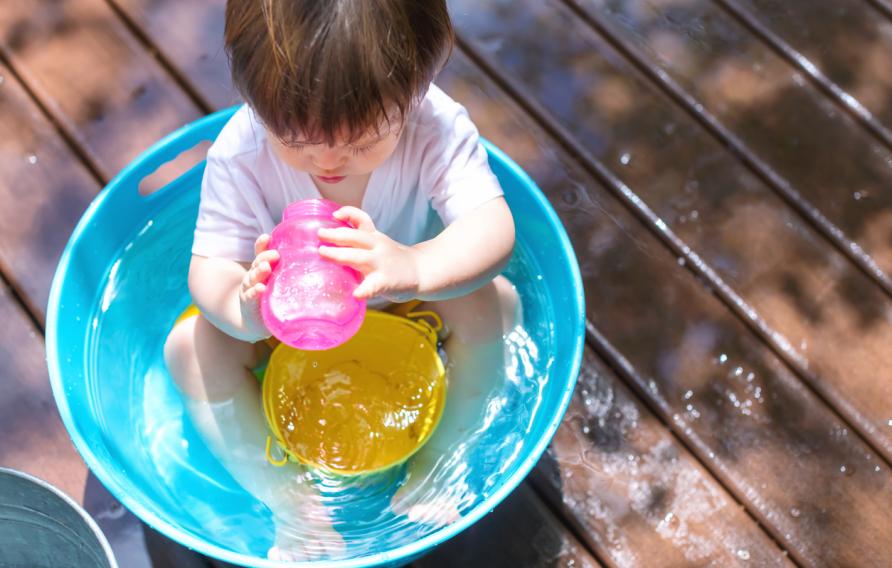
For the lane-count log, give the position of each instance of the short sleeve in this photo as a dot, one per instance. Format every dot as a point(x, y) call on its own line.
point(227, 223)
point(455, 166)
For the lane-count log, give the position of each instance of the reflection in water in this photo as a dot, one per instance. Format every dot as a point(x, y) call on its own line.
point(483, 430)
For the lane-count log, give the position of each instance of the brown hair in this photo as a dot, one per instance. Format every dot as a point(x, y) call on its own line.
point(322, 68)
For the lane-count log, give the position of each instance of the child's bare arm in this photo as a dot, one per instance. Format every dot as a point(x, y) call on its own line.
point(467, 254)
point(228, 292)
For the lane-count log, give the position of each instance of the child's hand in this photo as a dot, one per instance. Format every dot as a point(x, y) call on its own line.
point(254, 285)
point(390, 268)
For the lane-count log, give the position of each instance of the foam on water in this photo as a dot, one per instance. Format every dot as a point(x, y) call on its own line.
point(146, 290)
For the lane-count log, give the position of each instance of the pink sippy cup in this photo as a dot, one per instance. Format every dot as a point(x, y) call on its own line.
point(309, 303)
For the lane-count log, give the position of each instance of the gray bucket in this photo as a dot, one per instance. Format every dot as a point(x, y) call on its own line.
point(41, 527)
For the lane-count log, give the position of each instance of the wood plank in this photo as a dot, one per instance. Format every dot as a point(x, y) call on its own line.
point(43, 189)
point(635, 489)
point(521, 531)
point(613, 467)
point(829, 321)
point(848, 41)
point(103, 87)
point(34, 439)
point(770, 114)
point(194, 46)
point(728, 397)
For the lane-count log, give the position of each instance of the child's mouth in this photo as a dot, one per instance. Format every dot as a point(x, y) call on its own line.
point(330, 179)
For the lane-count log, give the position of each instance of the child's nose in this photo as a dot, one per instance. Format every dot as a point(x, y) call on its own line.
point(330, 158)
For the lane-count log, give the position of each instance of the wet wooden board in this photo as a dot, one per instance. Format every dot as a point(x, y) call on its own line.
point(725, 394)
point(34, 439)
point(847, 41)
point(103, 87)
point(814, 306)
point(796, 135)
point(613, 468)
point(521, 531)
point(194, 46)
point(44, 189)
point(637, 493)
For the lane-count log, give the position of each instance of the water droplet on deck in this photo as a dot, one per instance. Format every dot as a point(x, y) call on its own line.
point(857, 195)
point(695, 215)
point(32, 159)
point(847, 470)
point(876, 468)
point(681, 261)
point(688, 395)
point(723, 358)
point(794, 512)
point(743, 554)
point(586, 430)
point(625, 158)
point(890, 422)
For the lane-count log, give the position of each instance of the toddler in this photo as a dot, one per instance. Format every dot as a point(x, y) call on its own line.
point(341, 105)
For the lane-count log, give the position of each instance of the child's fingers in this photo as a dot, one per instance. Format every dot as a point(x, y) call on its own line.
point(268, 256)
point(369, 288)
point(347, 237)
point(261, 243)
point(262, 272)
point(253, 291)
point(354, 258)
point(356, 217)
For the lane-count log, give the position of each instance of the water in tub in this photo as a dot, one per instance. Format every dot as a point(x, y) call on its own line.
point(485, 424)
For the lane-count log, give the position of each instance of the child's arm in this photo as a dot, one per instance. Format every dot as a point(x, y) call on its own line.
point(466, 255)
point(228, 293)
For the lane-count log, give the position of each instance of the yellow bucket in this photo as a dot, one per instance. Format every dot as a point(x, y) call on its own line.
point(364, 406)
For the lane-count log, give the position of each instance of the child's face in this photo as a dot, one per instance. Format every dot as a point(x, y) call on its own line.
point(333, 164)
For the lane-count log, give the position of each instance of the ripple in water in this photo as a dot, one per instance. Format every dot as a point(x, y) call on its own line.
point(485, 423)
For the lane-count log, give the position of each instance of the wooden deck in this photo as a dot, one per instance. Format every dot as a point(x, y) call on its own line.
point(724, 169)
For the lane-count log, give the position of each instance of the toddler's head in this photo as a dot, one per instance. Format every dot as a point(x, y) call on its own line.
point(333, 80)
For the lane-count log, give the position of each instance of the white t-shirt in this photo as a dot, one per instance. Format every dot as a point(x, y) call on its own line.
point(439, 169)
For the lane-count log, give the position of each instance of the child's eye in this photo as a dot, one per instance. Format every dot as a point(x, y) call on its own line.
point(357, 150)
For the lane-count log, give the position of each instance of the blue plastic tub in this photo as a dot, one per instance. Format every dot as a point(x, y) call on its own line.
point(122, 281)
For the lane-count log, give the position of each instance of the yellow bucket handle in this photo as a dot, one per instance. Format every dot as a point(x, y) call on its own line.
point(418, 317)
point(269, 454)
